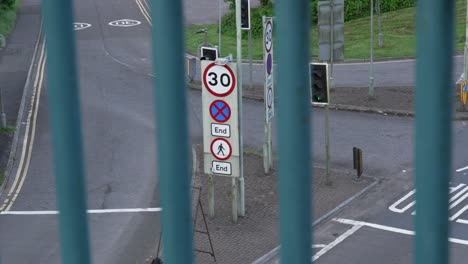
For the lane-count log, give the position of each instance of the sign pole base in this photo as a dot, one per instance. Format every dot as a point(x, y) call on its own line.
point(211, 200)
point(327, 145)
point(266, 148)
point(270, 147)
point(234, 195)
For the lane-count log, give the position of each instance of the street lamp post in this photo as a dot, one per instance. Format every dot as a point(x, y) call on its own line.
point(465, 66)
point(371, 64)
point(3, 123)
point(380, 24)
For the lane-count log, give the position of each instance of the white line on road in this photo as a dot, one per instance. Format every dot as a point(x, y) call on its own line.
point(391, 229)
point(336, 242)
point(91, 211)
point(319, 246)
point(462, 169)
point(462, 221)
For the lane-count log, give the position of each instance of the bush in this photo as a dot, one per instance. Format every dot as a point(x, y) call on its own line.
point(361, 8)
point(7, 3)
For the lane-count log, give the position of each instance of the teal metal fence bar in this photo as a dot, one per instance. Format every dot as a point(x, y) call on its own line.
point(294, 130)
point(434, 47)
point(66, 130)
point(172, 130)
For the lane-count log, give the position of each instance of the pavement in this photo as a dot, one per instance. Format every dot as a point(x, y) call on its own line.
point(115, 77)
point(15, 60)
point(256, 234)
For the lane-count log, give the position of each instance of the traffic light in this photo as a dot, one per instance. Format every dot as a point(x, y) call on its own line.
point(319, 82)
point(245, 14)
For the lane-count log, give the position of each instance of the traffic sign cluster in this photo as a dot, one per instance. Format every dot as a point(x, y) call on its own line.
point(268, 62)
point(220, 119)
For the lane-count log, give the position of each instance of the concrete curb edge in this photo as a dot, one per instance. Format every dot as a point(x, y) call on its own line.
point(458, 116)
point(20, 114)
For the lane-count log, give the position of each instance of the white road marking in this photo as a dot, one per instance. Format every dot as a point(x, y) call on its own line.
point(27, 145)
point(394, 205)
point(144, 11)
point(336, 242)
point(319, 246)
point(462, 169)
point(391, 229)
point(460, 196)
point(91, 211)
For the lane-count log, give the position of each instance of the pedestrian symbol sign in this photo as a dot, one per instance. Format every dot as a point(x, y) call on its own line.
point(220, 111)
point(221, 149)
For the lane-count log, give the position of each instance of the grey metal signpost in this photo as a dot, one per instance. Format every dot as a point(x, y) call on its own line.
point(269, 96)
point(380, 24)
point(371, 64)
point(3, 123)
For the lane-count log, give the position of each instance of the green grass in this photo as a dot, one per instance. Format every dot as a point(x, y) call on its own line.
point(7, 129)
point(398, 28)
point(2, 176)
point(7, 18)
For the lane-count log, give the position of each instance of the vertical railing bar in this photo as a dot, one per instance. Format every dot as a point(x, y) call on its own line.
point(64, 110)
point(172, 130)
point(433, 128)
point(294, 130)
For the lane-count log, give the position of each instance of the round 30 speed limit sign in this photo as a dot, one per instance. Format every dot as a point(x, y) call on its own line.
point(219, 80)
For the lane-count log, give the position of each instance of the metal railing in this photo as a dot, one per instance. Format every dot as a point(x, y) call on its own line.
point(432, 124)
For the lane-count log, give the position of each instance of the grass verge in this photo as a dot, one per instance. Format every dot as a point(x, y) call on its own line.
point(398, 30)
point(8, 17)
point(7, 129)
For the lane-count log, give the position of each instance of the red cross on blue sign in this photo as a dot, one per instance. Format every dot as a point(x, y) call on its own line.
point(220, 111)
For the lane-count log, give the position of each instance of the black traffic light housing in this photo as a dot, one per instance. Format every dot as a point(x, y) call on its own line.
point(245, 14)
point(319, 83)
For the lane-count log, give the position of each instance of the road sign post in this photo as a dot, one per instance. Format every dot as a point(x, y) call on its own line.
point(269, 96)
point(220, 127)
point(3, 121)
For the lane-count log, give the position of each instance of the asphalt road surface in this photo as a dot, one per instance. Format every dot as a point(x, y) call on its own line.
point(118, 122)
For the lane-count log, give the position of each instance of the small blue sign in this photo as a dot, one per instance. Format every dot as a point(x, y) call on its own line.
point(464, 87)
point(220, 111)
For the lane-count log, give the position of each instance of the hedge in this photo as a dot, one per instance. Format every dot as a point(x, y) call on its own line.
point(361, 8)
point(353, 9)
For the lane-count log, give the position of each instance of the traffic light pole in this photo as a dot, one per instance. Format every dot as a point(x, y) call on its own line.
point(330, 82)
point(465, 65)
point(220, 2)
point(239, 85)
